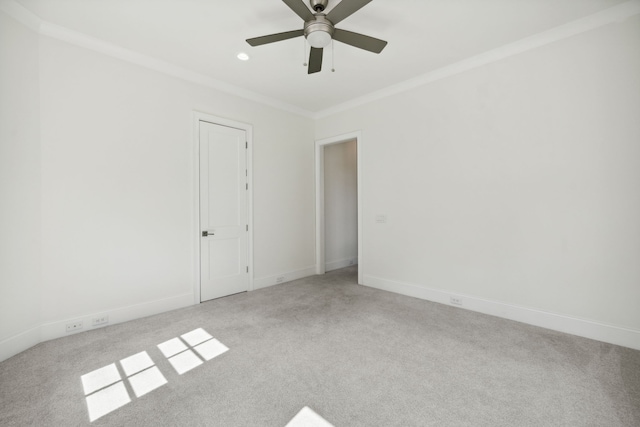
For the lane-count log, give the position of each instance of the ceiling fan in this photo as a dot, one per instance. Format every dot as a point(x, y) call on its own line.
point(319, 29)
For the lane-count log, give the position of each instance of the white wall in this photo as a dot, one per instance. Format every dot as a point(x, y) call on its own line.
point(19, 185)
point(118, 202)
point(118, 182)
point(517, 183)
point(341, 204)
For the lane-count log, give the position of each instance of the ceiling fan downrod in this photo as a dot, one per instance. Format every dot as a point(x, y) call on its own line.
point(318, 5)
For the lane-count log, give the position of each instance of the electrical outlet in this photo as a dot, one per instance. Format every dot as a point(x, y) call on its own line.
point(101, 320)
point(74, 326)
point(279, 279)
point(455, 300)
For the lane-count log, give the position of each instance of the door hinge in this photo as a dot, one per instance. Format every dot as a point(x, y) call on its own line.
point(247, 269)
point(247, 186)
point(246, 144)
point(247, 227)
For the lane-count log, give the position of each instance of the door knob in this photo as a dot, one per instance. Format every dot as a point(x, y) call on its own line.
point(208, 233)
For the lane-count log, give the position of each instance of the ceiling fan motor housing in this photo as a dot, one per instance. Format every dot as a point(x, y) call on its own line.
point(318, 32)
point(319, 5)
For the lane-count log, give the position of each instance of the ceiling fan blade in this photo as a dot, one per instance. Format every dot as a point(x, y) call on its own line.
point(315, 60)
point(359, 40)
point(344, 9)
point(300, 9)
point(257, 41)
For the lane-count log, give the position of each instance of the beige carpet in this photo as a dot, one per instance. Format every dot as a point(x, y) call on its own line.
point(356, 356)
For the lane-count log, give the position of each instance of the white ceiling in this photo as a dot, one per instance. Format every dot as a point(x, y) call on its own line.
point(204, 36)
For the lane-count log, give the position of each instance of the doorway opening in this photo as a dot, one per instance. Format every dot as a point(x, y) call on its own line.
point(338, 203)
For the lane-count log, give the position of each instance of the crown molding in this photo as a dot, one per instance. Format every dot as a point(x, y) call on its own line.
point(608, 16)
point(29, 19)
point(611, 15)
point(20, 14)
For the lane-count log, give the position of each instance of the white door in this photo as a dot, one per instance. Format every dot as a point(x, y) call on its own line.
point(223, 211)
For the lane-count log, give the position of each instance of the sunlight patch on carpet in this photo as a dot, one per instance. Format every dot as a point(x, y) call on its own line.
point(105, 388)
point(185, 361)
point(308, 418)
point(136, 363)
point(100, 378)
point(107, 400)
point(196, 337)
point(147, 381)
point(211, 349)
point(172, 347)
point(182, 357)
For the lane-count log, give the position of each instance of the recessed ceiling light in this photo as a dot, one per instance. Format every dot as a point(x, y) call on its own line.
point(243, 56)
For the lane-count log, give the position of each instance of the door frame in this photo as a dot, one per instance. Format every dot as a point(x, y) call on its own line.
point(320, 220)
point(198, 117)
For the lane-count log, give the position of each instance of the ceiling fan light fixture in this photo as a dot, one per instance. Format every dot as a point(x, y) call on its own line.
point(319, 39)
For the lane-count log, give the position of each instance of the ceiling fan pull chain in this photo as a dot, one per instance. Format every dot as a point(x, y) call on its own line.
point(304, 51)
point(333, 53)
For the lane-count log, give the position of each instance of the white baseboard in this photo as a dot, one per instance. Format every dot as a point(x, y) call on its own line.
point(51, 330)
point(265, 282)
point(18, 343)
point(342, 263)
point(557, 322)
